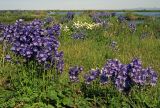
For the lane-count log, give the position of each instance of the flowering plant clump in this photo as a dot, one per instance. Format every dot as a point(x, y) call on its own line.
point(100, 21)
point(93, 74)
point(74, 72)
point(96, 19)
point(116, 72)
point(123, 76)
point(65, 28)
point(8, 58)
point(48, 20)
point(132, 27)
point(86, 25)
point(35, 42)
point(68, 17)
point(121, 19)
point(78, 35)
point(142, 76)
point(100, 18)
point(114, 45)
point(103, 14)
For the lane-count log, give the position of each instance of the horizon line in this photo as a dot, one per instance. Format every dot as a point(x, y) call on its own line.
point(89, 9)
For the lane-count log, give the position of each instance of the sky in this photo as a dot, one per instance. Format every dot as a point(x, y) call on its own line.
point(77, 4)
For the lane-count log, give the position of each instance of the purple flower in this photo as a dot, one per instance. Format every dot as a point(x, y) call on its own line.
point(34, 41)
point(1, 39)
point(49, 19)
point(103, 78)
point(132, 27)
point(68, 17)
point(112, 67)
point(113, 44)
point(96, 19)
point(124, 76)
point(74, 72)
point(60, 65)
point(154, 79)
point(121, 19)
point(79, 35)
point(8, 58)
point(93, 74)
point(141, 76)
point(152, 75)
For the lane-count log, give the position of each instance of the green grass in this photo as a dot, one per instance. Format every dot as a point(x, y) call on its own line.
point(24, 86)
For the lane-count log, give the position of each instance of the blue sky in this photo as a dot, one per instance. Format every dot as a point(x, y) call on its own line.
point(77, 4)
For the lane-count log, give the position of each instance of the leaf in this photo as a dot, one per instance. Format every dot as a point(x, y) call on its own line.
point(11, 102)
point(52, 95)
point(67, 101)
point(60, 94)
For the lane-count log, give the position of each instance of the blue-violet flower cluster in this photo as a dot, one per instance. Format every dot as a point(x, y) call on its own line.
point(74, 72)
point(35, 42)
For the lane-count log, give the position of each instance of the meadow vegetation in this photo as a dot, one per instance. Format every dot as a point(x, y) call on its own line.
point(88, 41)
